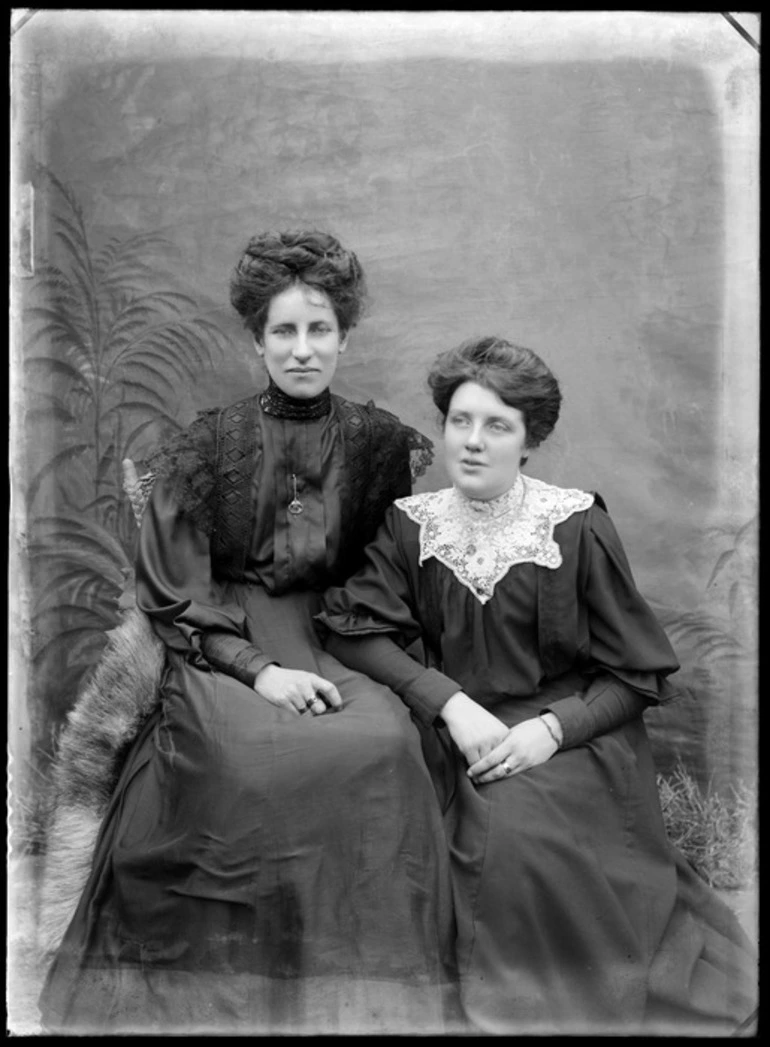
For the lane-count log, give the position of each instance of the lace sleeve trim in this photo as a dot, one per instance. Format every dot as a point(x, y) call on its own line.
point(420, 452)
point(188, 463)
point(389, 429)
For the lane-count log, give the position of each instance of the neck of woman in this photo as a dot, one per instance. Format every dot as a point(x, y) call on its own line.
point(502, 504)
point(276, 402)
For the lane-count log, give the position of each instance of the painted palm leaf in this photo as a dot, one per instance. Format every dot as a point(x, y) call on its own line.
point(112, 344)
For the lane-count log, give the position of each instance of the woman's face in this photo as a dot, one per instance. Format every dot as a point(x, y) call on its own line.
point(484, 442)
point(301, 341)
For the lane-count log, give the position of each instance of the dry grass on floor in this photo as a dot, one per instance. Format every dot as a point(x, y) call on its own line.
point(716, 831)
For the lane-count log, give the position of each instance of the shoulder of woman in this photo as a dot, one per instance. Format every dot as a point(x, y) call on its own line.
point(402, 526)
point(185, 449)
point(197, 441)
point(415, 510)
point(187, 465)
point(557, 504)
point(390, 434)
point(594, 526)
point(602, 528)
point(370, 414)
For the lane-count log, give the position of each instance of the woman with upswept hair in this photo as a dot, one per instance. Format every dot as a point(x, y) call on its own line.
point(273, 858)
point(574, 912)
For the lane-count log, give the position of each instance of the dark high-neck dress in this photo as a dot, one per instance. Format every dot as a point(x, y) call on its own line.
point(575, 914)
point(258, 871)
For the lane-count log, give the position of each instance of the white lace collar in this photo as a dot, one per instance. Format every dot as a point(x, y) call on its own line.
point(480, 541)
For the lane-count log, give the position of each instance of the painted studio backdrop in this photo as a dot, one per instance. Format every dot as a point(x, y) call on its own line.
point(582, 183)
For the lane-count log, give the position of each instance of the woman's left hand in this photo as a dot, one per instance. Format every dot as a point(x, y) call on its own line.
point(526, 745)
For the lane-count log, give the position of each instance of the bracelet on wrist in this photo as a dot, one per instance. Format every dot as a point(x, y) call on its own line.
point(548, 728)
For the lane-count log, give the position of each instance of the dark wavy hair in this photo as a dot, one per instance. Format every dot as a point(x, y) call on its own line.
point(273, 262)
point(516, 374)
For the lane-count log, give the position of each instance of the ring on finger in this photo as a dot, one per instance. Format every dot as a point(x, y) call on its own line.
point(506, 767)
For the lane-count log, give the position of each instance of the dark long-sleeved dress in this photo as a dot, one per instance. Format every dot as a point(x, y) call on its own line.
point(574, 911)
point(258, 871)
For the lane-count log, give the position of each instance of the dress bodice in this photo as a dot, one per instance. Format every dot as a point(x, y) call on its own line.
point(218, 514)
point(291, 550)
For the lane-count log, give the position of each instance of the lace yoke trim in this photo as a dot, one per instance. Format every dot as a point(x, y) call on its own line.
point(480, 541)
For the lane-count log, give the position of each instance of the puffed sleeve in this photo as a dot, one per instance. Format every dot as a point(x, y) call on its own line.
point(629, 655)
point(174, 587)
point(369, 621)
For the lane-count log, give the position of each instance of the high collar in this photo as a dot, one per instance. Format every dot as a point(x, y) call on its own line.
point(276, 402)
point(493, 508)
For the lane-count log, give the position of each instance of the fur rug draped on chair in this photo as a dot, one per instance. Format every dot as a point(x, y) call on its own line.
point(114, 702)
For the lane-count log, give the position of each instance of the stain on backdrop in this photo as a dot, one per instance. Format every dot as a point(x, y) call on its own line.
point(569, 182)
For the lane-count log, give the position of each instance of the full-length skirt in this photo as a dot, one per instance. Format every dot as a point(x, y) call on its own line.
point(575, 914)
point(260, 872)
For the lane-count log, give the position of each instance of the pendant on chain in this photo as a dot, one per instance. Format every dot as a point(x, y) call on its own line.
point(295, 505)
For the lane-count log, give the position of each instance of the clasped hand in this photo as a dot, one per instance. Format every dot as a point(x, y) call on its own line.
point(297, 691)
point(492, 750)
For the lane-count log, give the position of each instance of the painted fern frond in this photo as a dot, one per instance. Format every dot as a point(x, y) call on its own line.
point(145, 358)
point(149, 388)
point(721, 563)
point(52, 466)
point(57, 649)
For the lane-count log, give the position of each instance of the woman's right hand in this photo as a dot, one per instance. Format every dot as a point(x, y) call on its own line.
point(474, 730)
point(297, 690)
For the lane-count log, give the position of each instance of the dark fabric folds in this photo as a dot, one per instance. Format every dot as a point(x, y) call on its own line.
point(174, 582)
point(625, 636)
point(260, 871)
point(572, 906)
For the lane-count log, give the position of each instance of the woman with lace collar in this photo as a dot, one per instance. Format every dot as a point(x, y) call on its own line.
point(273, 859)
point(574, 913)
